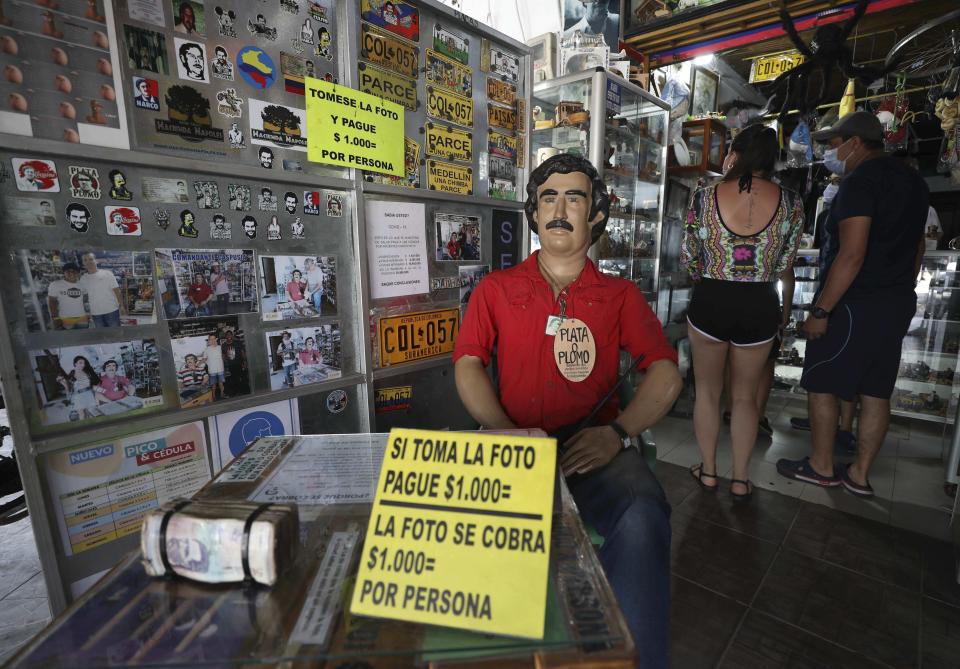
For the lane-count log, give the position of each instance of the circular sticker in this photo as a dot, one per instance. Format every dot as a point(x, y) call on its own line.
point(256, 67)
point(574, 349)
point(337, 401)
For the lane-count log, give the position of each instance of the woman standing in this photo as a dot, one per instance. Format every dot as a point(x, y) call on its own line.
point(741, 234)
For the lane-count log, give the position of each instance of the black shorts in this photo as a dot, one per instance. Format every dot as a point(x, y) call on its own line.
point(860, 353)
point(740, 312)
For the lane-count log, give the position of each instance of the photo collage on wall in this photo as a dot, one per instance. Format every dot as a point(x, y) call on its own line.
point(463, 78)
point(59, 80)
point(193, 270)
point(227, 79)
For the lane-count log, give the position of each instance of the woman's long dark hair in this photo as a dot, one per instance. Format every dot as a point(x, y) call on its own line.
point(87, 368)
point(757, 151)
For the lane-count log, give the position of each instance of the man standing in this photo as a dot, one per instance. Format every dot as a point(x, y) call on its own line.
point(221, 289)
point(866, 299)
point(314, 277)
point(65, 301)
point(103, 291)
point(526, 311)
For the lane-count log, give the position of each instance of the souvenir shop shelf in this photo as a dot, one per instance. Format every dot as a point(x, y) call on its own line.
point(927, 382)
point(706, 142)
point(621, 129)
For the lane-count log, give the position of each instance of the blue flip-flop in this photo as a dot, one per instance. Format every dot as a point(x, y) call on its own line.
point(801, 470)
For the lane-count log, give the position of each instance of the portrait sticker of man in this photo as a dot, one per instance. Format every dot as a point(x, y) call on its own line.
point(250, 226)
point(188, 17)
point(290, 202)
point(84, 182)
point(220, 66)
point(146, 93)
point(78, 216)
point(265, 155)
point(191, 60)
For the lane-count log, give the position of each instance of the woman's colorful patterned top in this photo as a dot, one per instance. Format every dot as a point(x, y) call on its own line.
point(710, 249)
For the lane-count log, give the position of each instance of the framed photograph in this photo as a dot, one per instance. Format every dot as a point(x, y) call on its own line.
point(706, 84)
point(458, 237)
point(298, 286)
point(304, 355)
point(210, 360)
point(601, 17)
point(206, 282)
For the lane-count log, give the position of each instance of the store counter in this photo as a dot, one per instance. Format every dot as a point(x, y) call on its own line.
point(129, 618)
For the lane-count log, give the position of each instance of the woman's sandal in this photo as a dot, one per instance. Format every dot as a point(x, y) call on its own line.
point(744, 497)
point(698, 474)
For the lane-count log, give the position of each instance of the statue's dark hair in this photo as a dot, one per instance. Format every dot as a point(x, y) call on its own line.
point(565, 163)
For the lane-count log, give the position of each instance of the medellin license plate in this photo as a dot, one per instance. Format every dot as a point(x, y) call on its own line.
point(388, 86)
point(450, 107)
point(449, 177)
point(393, 54)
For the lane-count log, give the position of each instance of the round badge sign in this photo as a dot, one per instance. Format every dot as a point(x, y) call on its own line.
point(256, 67)
point(337, 401)
point(574, 349)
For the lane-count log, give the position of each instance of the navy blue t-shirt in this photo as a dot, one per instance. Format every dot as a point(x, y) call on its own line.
point(896, 199)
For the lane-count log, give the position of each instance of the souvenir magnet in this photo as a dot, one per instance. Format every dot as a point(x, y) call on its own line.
point(334, 205)
point(266, 201)
point(36, 176)
point(208, 194)
point(188, 226)
point(311, 202)
point(220, 66)
point(84, 182)
point(226, 18)
point(229, 104)
point(122, 221)
point(239, 197)
point(265, 155)
point(249, 226)
point(273, 230)
point(296, 228)
point(118, 186)
point(191, 60)
point(261, 29)
point(290, 202)
point(220, 228)
point(78, 216)
point(235, 137)
point(162, 217)
point(337, 401)
point(146, 94)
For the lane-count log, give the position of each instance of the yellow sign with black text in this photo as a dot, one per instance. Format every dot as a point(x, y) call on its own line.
point(352, 129)
point(459, 534)
point(449, 177)
point(768, 68)
point(449, 143)
point(417, 336)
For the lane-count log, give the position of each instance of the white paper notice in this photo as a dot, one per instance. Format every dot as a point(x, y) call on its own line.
point(255, 460)
point(323, 600)
point(326, 469)
point(397, 248)
point(148, 11)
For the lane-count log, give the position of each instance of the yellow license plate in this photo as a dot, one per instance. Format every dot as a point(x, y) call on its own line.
point(521, 115)
point(417, 336)
point(449, 143)
point(394, 54)
point(448, 73)
point(500, 91)
point(502, 145)
point(388, 85)
point(502, 117)
point(521, 151)
point(449, 177)
point(411, 169)
point(767, 68)
point(449, 107)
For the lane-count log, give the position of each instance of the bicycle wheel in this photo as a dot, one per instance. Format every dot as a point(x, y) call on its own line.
point(930, 50)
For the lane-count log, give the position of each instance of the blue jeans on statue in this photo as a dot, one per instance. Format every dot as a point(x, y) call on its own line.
point(317, 300)
point(626, 505)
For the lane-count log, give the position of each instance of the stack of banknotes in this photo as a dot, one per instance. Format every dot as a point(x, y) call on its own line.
point(205, 541)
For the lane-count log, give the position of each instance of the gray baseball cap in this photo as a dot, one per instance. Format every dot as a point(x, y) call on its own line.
point(857, 124)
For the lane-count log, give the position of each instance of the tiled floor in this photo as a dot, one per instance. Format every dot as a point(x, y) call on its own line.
point(789, 580)
point(908, 475)
point(783, 582)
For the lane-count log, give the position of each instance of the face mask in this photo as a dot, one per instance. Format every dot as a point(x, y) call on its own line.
point(832, 162)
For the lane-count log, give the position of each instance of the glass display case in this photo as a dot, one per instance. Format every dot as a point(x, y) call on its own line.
point(927, 383)
point(621, 129)
point(706, 142)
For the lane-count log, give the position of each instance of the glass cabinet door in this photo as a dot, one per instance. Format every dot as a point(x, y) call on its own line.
point(622, 130)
